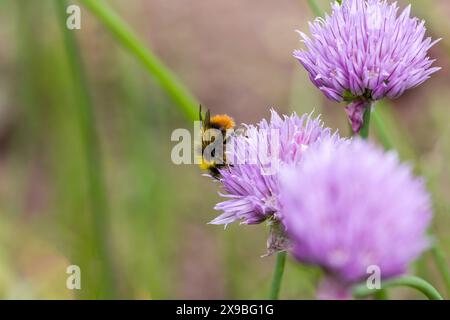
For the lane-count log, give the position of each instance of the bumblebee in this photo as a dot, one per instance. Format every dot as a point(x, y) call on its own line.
point(221, 122)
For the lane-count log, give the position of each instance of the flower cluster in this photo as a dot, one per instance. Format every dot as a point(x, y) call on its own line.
point(351, 206)
point(255, 157)
point(364, 51)
point(250, 181)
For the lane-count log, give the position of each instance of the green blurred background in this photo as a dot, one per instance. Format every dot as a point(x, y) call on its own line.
point(92, 183)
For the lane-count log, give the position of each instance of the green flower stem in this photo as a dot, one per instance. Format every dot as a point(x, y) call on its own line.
point(361, 291)
point(185, 100)
point(315, 7)
point(364, 132)
point(381, 294)
point(277, 275)
point(441, 263)
point(96, 183)
point(381, 130)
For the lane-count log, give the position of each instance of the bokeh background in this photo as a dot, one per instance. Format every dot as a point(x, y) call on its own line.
point(111, 201)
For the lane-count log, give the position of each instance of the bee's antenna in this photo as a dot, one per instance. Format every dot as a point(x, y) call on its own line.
point(207, 119)
point(200, 112)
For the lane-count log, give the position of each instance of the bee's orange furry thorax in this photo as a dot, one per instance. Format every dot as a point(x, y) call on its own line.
point(222, 121)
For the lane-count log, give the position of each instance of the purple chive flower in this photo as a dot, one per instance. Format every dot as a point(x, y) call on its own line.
point(251, 180)
point(355, 207)
point(364, 52)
